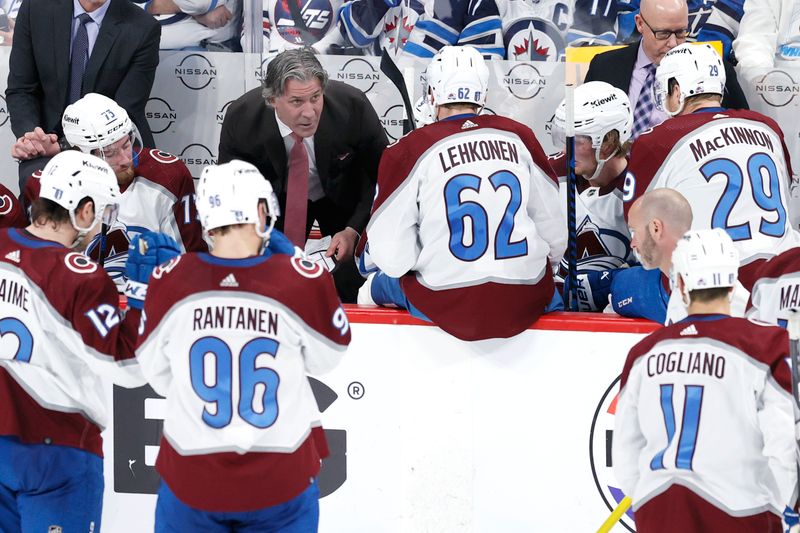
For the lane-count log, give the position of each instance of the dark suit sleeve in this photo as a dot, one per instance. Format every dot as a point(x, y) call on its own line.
point(592, 73)
point(734, 97)
point(227, 138)
point(24, 90)
point(371, 145)
point(134, 90)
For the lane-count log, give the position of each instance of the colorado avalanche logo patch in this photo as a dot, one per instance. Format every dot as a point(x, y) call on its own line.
point(6, 204)
point(317, 14)
point(79, 263)
point(534, 39)
point(306, 268)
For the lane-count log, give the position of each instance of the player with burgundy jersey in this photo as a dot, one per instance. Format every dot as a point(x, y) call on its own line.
point(12, 215)
point(704, 437)
point(242, 439)
point(62, 333)
point(157, 188)
point(731, 165)
point(466, 225)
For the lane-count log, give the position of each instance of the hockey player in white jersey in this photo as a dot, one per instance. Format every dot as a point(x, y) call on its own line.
point(704, 435)
point(186, 23)
point(157, 188)
point(603, 121)
point(466, 223)
point(62, 333)
point(777, 288)
point(242, 438)
point(731, 165)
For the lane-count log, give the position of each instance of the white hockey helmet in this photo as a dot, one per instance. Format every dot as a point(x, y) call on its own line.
point(697, 68)
point(705, 259)
point(458, 74)
point(599, 108)
point(94, 122)
point(229, 194)
point(71, 176)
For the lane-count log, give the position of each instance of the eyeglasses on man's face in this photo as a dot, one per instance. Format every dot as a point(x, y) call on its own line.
point(663, 35)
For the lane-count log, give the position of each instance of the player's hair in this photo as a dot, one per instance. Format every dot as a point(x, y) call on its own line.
point(298, 64)
point(709, 295)
point(458, 105)
point(612, 138)
point(44, 211)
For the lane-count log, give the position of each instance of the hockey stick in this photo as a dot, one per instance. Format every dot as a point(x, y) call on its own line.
point(390, 70)
point(793, 326)
point(571, 298)
point(616, 514)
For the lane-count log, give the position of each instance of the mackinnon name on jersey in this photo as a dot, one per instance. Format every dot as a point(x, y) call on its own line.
point(471, 151)
point(728, 136)
point(235, 317)
point(706, 363)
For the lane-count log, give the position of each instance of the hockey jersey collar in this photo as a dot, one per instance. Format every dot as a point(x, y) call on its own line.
point(703, 317)
point(460, 117)
point(241, 263)
point(710, 110)
point(25, 238)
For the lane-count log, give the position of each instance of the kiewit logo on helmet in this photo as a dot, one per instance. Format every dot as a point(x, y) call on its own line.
point(71, 120)
point(600, 101)
point(93, 166)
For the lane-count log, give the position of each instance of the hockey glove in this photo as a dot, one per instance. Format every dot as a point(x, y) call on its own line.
point(791, 520)
point(594, 287)
point(639, 293)
point(146, 252)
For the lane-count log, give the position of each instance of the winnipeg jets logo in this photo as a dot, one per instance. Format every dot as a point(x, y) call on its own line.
point(534, 39)
point(396, 30)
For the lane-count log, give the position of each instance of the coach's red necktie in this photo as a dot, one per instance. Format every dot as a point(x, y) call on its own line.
point(294, 225)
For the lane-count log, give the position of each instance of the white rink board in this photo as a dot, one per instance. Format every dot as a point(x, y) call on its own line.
point(449, 436)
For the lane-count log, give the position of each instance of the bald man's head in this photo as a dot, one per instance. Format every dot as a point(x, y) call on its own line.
point(656, 221)
point(655, 15)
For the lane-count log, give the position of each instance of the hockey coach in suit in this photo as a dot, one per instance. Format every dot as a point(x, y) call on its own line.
point(118, 43)
point(319, 143)
point(663, 24)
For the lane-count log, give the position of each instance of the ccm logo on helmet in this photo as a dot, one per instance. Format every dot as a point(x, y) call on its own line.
point(79, 263)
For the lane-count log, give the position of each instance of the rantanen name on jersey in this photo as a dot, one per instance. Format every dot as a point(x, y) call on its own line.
point(706, 363)
point(471, 151)
point(235, 317)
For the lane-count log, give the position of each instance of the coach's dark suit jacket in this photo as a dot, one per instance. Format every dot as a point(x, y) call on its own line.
point(347, 145)
point(122, 65)
point(616, 67)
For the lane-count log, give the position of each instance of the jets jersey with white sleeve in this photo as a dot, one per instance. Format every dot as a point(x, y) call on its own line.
point(62, 332)
point(468, 208)
point(604, 241)
point(701, 409)
point(777, 288)
point(160, 198)
point(180, 30)
point(733, 168)
point(240, 409)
